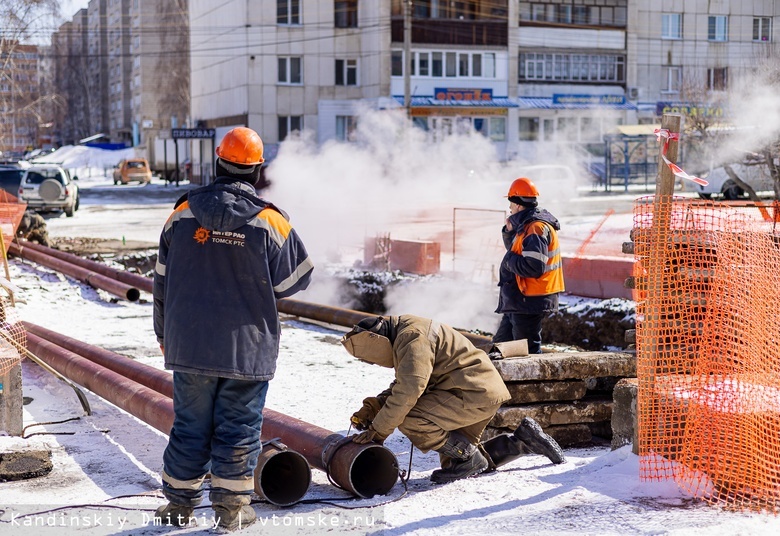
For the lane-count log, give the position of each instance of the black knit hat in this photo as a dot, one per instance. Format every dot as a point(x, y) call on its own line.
point(527, 202)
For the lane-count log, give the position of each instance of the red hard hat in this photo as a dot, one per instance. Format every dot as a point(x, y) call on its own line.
point(241, 146)
point(523, 187)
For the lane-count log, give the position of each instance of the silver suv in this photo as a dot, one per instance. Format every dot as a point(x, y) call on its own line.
point(46, 187)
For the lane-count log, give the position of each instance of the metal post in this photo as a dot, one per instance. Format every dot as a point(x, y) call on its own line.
point(408, 57)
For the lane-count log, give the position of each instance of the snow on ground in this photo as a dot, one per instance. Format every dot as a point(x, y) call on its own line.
point(106, 466)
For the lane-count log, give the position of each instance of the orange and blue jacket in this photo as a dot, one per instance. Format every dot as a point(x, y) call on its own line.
point(531, 272)
point(225, 257)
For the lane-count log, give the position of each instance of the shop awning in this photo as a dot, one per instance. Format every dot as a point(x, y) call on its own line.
point(546, 103)
point(495, 102)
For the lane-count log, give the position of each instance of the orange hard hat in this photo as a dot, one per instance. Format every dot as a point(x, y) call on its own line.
point(242, 146)
point(523, 187)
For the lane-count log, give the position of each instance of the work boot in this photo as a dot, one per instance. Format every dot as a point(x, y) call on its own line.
point(234, 516)
point(174, 515)
point(465, 460)
point(534, 438)
point(503, 449)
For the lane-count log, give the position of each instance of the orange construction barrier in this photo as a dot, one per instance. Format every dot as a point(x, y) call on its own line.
point(708, 347)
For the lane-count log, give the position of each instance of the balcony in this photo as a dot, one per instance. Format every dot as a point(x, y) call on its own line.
point(453, 32)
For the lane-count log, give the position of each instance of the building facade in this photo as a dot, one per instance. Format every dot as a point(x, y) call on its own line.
point(530, 75)
point(19, 96)
point(123, 70)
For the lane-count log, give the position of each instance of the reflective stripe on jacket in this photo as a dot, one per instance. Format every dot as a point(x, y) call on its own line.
point(551, 281)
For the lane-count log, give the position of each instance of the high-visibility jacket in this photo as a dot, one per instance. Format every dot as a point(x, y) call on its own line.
point(531, 273)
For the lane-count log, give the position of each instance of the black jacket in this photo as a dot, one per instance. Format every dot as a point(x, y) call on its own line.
point(225, 257)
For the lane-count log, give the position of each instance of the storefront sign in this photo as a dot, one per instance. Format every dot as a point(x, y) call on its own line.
point(466, 94)
point(460, 111)
point(192, 133)
point(590, 100)
point(690, 109)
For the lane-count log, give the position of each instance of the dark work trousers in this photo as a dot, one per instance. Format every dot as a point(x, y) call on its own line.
point(516, 326)
point(216, 428)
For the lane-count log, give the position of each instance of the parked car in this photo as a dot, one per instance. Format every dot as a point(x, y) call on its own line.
point(756, 175)
point(49, 187)
point(132, 170)
point(10, 178)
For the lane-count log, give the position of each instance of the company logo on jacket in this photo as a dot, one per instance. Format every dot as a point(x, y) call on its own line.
point(230, 238)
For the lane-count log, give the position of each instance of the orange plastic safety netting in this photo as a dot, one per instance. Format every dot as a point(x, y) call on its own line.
point(13, 339)
point(11, 213)
point(708, 348)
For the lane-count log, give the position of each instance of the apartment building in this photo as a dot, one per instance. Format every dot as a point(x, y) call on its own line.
point(123, 70)
point(19, 95)
point(530, 75)
point(681, 52)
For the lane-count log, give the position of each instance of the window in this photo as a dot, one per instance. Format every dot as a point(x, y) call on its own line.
point(397, 63)
point(571, 67)
point(289, 124)
point(288, 11)
point(529, 129)
point(586, 12)
point(762, 29)
point(346, 72)
point(345, 13)
point(491, 127)
point(454, 64)
point(450, 64)
point(346, 127)
point(463, 65)
point(718, 28)
point(671, 26)
point(290, 70)
point(672, 79)
point(717, 78)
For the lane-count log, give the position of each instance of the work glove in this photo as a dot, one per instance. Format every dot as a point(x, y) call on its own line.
point(368, 436)
point(363, 417)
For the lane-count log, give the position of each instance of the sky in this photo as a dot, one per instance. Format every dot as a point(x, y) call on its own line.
point(71, 7)
point(107, 466)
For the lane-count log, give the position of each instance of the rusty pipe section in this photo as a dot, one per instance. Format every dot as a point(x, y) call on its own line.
point(138, 400)
point(345, 317)
point(282, 475)
point(128, 278)
point(89, 277)
point(155, 379)
point(324, 313)
point(365, 470)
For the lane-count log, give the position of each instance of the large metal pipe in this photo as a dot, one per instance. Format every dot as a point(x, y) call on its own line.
point(365, 470)
point(282, 476)
point(129, 278)
point(344, 317)
point(324, 313)
point(139, 400)
point(89, 277)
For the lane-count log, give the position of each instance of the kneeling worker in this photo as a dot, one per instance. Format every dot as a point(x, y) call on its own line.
point(445, 393)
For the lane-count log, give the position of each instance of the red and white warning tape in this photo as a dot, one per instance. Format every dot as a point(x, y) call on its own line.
point(677, 170)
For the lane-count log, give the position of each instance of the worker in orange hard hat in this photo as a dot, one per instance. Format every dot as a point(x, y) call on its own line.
point(226, 256)
point(531, 273)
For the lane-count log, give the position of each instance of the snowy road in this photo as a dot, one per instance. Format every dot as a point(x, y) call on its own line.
point(106, 466)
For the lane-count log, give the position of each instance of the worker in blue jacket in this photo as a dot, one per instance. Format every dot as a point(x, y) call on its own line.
point(225, 257)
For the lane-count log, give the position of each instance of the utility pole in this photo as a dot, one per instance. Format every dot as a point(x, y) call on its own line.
point(408, 57)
